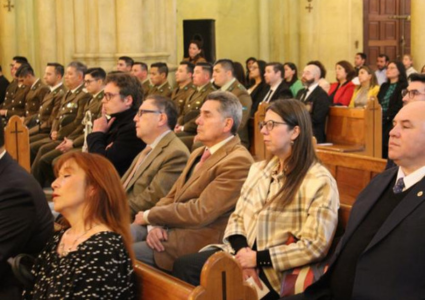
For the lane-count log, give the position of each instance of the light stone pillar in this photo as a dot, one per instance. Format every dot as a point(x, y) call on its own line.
point(46, 38)
point(264, 30)
point(129, 26)
point(417, 36)
point(7, 39)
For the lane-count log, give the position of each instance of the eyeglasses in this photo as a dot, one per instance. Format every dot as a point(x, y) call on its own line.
point(269, 124)
point(141, 112)
point(109, 96)
point(412, 93)
point(90, 81)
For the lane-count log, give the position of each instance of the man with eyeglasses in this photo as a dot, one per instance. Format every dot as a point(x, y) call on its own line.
point(416, 89)
point(114, 135)
point(155, 170)
point(68, 118)
point(196, 210)
point(48, 153)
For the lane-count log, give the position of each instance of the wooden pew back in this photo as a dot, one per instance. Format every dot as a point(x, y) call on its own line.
point(356, 130)
point(16, 139)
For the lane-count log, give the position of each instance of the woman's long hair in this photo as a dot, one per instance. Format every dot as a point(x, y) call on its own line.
point(293, 67)
point(373, 79)
point(108, 203)
point(349, 69)
point(303, 154)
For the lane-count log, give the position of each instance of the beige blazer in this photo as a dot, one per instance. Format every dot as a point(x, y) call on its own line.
point(197, 208)
point(157, 173)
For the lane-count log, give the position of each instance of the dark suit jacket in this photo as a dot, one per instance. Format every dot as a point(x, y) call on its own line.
point(120, 144)
point(320, 103)
point(197, 208)
point(258, 95)
point(3, 86)
point(392, 265)
point(26, 222)
point(282, 92)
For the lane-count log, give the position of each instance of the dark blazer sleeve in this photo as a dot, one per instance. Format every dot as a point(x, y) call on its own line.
point(320, 107)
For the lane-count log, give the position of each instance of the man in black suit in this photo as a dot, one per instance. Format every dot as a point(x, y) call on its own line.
point(381, 255)
point(278, 88)
point(26, 222)
point(316, 100)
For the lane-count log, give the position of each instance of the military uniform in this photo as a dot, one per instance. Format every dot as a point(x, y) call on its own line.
point(15, 104)
point(10, 93)
point(42, 168)
point(33, 101)
point(163, 90)
point(237, 89)
point(147, 85)
point(179, 96)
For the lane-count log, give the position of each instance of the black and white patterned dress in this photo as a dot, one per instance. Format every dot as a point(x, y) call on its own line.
point(99, 269)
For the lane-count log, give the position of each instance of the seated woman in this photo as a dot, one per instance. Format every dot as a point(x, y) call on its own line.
point(291, 77)
point(391, 100)
point(342, 90)
point(248, 63)
point(195, 52)
point(259, 88)
point(287, 213)
point(92, 256)
point(367, 89)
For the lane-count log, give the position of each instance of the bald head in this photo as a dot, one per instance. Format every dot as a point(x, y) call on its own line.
point(407, 138)
point(311, 75)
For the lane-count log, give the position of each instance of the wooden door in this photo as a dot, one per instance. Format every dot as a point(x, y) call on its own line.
point(386, 28)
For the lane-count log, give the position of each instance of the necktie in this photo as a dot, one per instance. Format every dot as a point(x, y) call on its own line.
point(204, 157)
point(266, 99)
point(141, 158)
point(304, 95)
point(399, 186)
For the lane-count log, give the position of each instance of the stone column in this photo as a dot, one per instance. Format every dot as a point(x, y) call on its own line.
point(417, 25)
point(264, 29)
point(46, 38)
point(7, 38)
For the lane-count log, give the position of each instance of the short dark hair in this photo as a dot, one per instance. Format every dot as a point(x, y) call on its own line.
point(362, 55)
point(143, 66)
point(320, 66)
point(189, 66)
point(230, 107)
point(277, 66)
point(20, 59)
point(128, 60)
point(206, 67)
point(1, 134)
point(129, 85)
point(24, 70)
point(97, 73)
point(417, 77)
point(162, 67)
point(382, 55)
point(226, 64)
point(79, 67)
point(167, 106)
point(59, 69)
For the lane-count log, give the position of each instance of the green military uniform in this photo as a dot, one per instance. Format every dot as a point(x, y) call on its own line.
point(179, 96)
point(16, 105)
point(237, 89)
point(33, 101)
point(162, 90)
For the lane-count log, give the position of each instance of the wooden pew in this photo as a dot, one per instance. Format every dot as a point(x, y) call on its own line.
point(356, 130)
point(221, 278)
point(352, 172)
point(16, 139)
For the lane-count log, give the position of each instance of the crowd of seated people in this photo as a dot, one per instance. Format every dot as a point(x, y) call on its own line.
point(178, 160)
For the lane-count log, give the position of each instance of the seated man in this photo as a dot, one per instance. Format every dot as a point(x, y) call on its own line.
point(195, 211)
point(115, 138)
point(185, 87)
point(125, 64)
point(381, 255)
point(140, 70)
point(26, 222)
point(316, 101)
point(155, 170)
point(37, 92)
point(158, 76)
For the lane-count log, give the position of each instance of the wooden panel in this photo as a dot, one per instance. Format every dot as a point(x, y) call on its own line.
point(389, 7)
point(389, 30)
point(16, 141)
point(374, 31)
point(374, 7)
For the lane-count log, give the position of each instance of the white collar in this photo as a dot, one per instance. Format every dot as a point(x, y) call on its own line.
point(412, 178)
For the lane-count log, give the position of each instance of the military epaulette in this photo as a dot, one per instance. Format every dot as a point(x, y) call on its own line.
point(240, 86)
point(36, 86)
point(100, 96)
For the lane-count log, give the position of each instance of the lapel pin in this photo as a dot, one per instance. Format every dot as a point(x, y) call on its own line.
point(420, 193)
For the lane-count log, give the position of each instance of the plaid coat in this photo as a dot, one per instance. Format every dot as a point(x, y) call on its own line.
point(311, 218)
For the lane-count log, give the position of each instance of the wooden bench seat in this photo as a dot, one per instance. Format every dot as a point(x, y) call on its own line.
point(16, 140)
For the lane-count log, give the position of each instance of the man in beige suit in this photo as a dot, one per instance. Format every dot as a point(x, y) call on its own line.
point(155, 170)
point(196, 210)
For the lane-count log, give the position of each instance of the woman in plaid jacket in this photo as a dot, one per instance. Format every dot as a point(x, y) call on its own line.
point(287, 213)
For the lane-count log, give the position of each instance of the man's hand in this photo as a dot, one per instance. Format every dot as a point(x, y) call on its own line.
point(3, 112)
point(247, 258)
point(102, 124)
point(155, 238)
point(251, 272)
point(65, 146)
point(139, 220)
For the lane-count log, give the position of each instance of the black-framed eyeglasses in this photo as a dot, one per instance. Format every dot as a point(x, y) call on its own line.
point(109, 96)
point(141, 112)
point(269, 124)
point(412, 93)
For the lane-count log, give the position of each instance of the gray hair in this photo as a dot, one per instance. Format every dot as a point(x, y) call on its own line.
point(79, 67)
point(230, 107)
